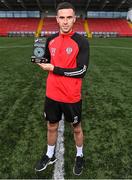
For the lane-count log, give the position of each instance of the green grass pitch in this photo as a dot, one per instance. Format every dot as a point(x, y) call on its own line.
point(106, 116)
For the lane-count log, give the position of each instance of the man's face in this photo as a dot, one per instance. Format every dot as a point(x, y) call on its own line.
point(66, 19)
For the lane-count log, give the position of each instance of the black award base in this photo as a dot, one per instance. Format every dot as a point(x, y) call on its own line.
point(37, 60)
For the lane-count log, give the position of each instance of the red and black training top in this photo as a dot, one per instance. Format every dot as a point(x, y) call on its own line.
point(70, 56)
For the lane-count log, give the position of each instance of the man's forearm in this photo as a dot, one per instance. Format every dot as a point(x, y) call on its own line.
point(78, 72)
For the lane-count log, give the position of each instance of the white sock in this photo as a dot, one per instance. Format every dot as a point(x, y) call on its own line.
point(50, 151)
point(79, 151)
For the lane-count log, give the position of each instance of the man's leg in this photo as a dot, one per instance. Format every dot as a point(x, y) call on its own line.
point(52, 114)
point(78, 137)
point(52, 132)
point(49, 158)
point(79, 161)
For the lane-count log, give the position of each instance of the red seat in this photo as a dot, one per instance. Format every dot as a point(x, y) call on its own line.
point(110, 25)
point(50, 25)
point(18, 24)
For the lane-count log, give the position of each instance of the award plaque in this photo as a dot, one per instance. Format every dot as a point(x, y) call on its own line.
point(38, 51)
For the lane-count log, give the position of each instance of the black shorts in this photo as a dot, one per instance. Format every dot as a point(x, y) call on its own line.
point(53, 111)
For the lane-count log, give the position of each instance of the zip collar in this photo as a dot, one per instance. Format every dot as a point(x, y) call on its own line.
point(67, 34)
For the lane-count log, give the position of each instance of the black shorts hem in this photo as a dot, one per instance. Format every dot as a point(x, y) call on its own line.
point(53, 111)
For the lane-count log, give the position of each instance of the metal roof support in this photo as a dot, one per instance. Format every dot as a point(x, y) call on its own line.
point(130, 3)
point(88, 1)
point(22, 4)
point(120, 4)
point(39, 5)
point(6, 4)
point(55, 4)
point(104, 4)
point(84, 5)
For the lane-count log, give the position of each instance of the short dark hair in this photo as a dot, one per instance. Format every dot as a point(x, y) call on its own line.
point(65, 5)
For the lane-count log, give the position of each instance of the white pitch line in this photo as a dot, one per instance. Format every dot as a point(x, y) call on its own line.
point(59, 164)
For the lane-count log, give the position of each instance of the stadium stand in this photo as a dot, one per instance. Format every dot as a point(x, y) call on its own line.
point(37, 18)
point(50, 26)
point(18, 26)
point(100, 27)
point(79, 26)
point(130, 24)
point(110, 26)
point(40, 26)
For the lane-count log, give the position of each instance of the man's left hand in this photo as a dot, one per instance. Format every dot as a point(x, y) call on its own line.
point(46, 66)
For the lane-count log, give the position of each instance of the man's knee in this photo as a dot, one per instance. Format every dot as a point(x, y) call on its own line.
point(52, 127)
point(77, 129)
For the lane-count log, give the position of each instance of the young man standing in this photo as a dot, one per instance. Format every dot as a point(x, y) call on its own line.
point(68, 58)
